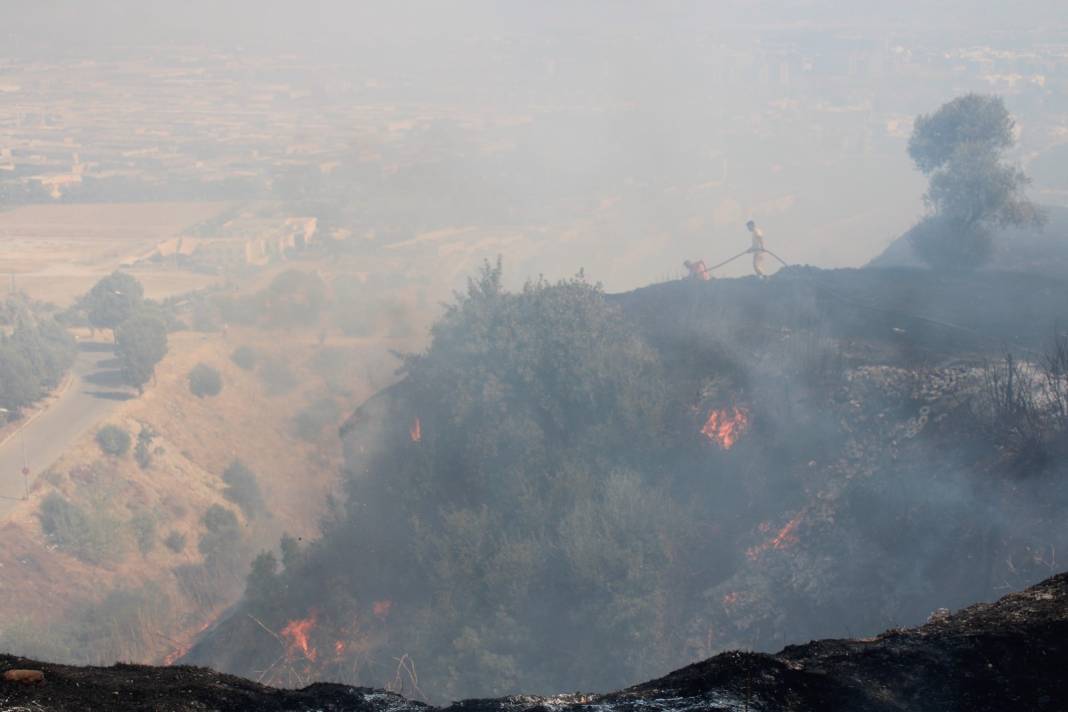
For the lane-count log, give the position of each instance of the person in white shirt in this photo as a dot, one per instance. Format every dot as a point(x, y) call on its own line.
point(757, 248)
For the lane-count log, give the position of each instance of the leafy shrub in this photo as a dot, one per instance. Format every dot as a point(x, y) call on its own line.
point(205, 380)
point(245, 357)
point(175, 541)
point(243, 489)
point(310, 421)
point(144, 528)
point(143, 451)
point(91, 537)
point(113, 440)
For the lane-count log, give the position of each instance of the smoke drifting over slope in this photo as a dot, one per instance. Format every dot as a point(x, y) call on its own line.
point(565, 485)
point(604, 489)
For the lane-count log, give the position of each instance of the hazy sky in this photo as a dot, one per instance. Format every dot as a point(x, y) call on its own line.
point(674, 122)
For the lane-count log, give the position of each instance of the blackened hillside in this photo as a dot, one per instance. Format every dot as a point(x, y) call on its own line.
point(1007, 656)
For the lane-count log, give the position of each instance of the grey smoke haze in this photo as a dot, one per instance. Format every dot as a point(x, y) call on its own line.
point(623, 136)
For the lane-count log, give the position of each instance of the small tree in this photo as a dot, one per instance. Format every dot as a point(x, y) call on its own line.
point(140, 344)
point(245, 357)
point(971, 190)
point(18, 384)
point(113, 300)
point(175, 541)
point(113, 440)
point(243, 489)
point(143, 450)
point(205, 381)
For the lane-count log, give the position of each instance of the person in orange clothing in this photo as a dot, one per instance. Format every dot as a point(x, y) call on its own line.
point(698, 270)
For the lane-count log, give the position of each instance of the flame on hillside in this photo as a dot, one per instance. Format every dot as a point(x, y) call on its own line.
point(784, 539)
point(296, 636)
point(179, 652)
point(415, 432)
point(724, 427)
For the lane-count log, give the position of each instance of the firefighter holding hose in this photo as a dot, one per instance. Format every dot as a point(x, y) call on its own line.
point(757, 248)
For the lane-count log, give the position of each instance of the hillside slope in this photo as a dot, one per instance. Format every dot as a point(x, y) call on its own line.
point(685, 469)
point(1008, 655)
point(1042, 251)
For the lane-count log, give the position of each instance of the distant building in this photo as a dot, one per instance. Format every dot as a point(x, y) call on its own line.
point(243, 242)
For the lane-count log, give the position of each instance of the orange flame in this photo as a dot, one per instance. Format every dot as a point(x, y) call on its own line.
point(416, 431)
point(730, 599)
point(296, 632)
point(339, 649)
point(381, 608)
point(179, 652)
point(784, 539)
point(724, 428)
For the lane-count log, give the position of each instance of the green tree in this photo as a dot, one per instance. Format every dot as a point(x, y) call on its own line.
point(243, 489)
point(18, 384)
point(972, 189)
point(140, 344)
point(113, 300)
point(113, 440)
point(245, 357)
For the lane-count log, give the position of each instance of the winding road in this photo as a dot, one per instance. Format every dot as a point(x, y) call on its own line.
point(94, 389)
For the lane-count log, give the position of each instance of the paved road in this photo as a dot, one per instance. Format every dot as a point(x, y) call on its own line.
point(95, 389)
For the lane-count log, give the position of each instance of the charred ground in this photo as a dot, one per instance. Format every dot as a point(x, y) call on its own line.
point(1009, 655)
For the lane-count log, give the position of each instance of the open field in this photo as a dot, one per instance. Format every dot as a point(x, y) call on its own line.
point(56, 252)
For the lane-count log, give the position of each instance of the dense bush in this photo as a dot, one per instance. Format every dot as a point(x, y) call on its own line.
point(205, 380)
point(143, 450)
point(245, 357)
point(113, 440)
point(90, 535)
point(175, 541)
point(243, 489)
point(480, 512)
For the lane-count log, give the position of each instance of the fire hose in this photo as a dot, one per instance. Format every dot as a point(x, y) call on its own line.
point(743, 254)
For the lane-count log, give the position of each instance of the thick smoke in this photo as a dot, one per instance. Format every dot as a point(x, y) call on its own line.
point(565, 485)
